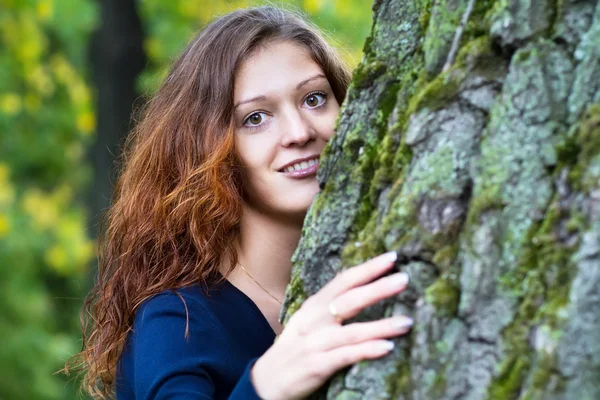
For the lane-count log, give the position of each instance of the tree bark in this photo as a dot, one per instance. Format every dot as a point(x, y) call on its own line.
point(469, 142)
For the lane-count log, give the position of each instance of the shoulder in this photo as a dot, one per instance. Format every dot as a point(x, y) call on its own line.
point(176, 324)
point(173, 300)
point(174, 342)
point(188, 305)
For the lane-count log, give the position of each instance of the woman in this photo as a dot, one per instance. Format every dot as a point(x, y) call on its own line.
point(217, 178)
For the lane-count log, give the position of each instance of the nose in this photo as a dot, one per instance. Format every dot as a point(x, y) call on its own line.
point(296, 128)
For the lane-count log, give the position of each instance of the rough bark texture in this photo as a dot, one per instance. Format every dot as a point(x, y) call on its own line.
point(484, 176)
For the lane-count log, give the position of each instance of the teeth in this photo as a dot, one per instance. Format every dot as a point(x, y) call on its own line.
point(301, 165)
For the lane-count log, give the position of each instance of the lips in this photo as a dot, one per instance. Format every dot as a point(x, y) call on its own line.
point(297, 163)
point(301, 167)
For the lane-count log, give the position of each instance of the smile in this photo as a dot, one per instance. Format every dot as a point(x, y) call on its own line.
point(302, 168)
point(301, 165)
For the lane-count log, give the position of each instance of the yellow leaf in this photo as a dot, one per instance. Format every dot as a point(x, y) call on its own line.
point(31, 41)
point(86, 122)
point(10, 103)
point(85, 252)
point(44, 10)
point(313, 6)
point(154, 48)
point(4, 226)
point(79, 93)
point(78, 249)
point(61, 68)
point(189, 8)
point(40, 79)
point(4, 173)
point(45, 209)
point(7, 194)
point(56, 257)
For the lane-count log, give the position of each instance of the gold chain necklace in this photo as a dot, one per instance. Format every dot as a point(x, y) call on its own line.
point(259, 285)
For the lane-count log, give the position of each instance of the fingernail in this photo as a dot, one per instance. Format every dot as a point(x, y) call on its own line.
point(402, 323)
point(399, 280)
point(390, 256)
point(386, 345)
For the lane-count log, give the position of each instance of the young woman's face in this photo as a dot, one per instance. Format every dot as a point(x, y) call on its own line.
point(285, 113)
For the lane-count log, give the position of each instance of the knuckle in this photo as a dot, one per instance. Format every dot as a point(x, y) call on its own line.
point(297, 325)
point(350, 307)
point(302, 330)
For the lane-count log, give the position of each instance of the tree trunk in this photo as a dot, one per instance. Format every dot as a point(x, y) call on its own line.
point(475, 154)
point(117, 57)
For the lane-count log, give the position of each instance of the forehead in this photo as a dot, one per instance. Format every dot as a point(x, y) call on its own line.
point(274, 67)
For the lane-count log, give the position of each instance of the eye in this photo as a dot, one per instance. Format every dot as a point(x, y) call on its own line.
point(255, 119)
point(315, 99)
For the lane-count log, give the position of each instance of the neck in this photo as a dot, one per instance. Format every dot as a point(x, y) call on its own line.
point(266, 246)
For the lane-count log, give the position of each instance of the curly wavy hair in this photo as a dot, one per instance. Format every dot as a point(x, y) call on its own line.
point(178, 201)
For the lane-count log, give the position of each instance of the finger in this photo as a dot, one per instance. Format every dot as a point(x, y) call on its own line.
point(342, 357)
point(359, 332)
point(352, 302)
point(358, 275)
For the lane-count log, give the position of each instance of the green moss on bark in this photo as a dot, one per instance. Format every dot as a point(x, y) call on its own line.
point(586, 145)
point(475, 57)
point(444, 258)
point(444, 296)
point(398, 385)
point(512, 374)
point(539, 280)
point(295, 291)
point(542, 282)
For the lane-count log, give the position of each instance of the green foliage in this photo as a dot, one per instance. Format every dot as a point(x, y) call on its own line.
point(46, 121)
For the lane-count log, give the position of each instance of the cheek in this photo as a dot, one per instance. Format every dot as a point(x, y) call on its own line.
point(254, 153)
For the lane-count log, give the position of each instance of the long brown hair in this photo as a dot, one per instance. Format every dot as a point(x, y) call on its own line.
point(178, 201)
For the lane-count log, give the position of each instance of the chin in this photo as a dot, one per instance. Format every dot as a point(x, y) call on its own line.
point(303, 202)
point(286, 204)
point(294, 209)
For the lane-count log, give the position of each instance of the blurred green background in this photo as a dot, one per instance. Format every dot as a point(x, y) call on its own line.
point(70, 73)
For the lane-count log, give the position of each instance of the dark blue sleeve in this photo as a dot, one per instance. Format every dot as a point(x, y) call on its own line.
point(167, 364)
point(244, 388)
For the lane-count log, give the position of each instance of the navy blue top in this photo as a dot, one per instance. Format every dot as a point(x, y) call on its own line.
point(227, 333)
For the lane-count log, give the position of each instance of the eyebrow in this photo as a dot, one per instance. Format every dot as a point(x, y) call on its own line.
point(257, 98)
point(298, 87)
point(312, 78)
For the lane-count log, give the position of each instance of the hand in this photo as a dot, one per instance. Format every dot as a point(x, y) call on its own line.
point(314, 344)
